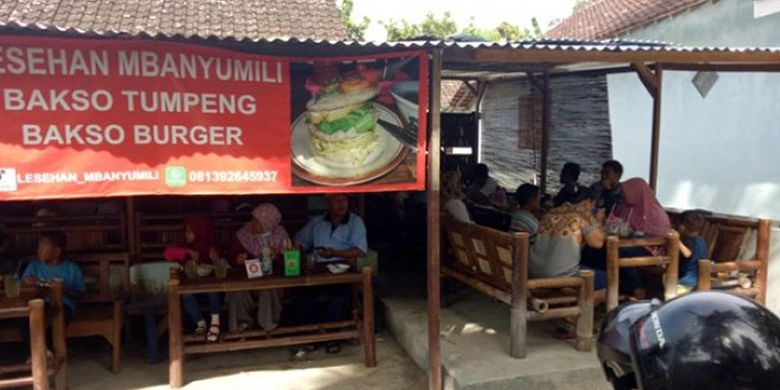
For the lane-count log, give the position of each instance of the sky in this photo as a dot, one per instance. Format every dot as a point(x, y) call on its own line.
point(487, 14)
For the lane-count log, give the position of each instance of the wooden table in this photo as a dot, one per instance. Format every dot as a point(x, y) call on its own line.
point(359, 327)
point(30, 305)
point(669, 260)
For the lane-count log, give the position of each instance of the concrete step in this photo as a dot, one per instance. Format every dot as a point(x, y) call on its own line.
point(475, 347)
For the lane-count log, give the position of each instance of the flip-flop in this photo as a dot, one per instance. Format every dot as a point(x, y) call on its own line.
point(213, 334)
point(562, 333)
point(333, 348)
point(200, 330)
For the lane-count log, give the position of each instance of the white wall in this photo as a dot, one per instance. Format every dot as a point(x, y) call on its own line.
point(718, 153)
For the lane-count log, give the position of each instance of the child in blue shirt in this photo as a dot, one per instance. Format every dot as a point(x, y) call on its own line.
point(692, 249)
point(51, 266)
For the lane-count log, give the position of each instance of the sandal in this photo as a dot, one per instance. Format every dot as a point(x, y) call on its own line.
point(200, 330)
point(565, 333)
point(333, 348)
point(213, 335)
point(243, 327)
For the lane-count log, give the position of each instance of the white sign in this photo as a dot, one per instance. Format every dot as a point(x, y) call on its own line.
point(763, 8)
point(8, 179)
point(253, 268)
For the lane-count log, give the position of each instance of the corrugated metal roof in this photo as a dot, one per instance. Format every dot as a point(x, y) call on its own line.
point(314, 47)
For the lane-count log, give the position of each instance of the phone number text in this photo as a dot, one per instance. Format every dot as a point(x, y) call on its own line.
point(232, 176)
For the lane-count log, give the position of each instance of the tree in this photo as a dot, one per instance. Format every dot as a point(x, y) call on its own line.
point(446, 26)
point(582, 3)
point(510, 32)
point(431, 26)
point(355, 31)
point(537, 32)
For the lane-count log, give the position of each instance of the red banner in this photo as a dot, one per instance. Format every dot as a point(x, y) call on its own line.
point(86, 118)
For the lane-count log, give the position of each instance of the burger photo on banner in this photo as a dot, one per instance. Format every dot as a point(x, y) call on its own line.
point(355, 122)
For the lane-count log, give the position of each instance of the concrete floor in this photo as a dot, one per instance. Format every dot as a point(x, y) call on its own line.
point(265, 368)
point(475, 347)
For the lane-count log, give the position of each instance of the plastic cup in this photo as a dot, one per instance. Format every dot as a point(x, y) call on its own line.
point(221, 269)
point(12, 286)
point(191, 269)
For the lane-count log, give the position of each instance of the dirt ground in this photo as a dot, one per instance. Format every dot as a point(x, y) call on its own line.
point(266, 368)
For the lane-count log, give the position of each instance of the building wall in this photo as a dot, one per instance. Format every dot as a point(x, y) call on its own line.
point(580, 130)
point(718, 152)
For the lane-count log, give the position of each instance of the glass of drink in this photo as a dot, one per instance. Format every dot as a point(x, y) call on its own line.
point(220, 269)
point(12, 285)
point(191, 269)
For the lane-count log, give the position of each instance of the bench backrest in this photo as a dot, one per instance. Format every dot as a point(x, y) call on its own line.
point(485, 253)
point(154, 232)
point(728, 238)
point(86, 234)
point(96, 268)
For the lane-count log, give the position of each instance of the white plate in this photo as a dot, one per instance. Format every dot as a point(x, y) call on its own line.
point(337, 268)
point(385, 153)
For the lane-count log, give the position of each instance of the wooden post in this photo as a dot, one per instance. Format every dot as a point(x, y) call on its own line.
point(369, 345)
point(518, 313)
point(705, 275)
point(58, 335)
point(613, 272)
point(546, 112)
point(38, 345)
point(131, 229)
point(434, 298)
point(585, 319)
point(762, 255)
point(656, 140)
point(174, 332)
point(116, 337)
point(672, 273)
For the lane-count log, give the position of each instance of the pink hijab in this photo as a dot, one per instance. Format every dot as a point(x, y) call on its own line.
point(271, 218)
point(646, 213)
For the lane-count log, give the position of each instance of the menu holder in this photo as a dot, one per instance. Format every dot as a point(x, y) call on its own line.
point(292, 263)
point(254, 268)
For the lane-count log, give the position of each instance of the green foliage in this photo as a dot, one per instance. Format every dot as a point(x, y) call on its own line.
point(431, 26)
point(355, 31)
point(446, 26)
point(581, 3)
point(537, 32)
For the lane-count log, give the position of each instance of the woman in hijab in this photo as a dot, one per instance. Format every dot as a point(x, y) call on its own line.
point(452, 196)
point(645, 215)
point(642, 210)
point(201, 247)
point(263, 234)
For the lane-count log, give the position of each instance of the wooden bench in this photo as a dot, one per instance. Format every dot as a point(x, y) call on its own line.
point(85, 234)
point(728, 240)
point(614, 262)
point(496, 263)
point(30, 305)
point(99, 311)
point(154, 232)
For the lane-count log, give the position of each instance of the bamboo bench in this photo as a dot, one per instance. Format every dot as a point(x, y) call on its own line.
point(37, 373)
point(496, 263)
point(670, 261)
point(99, 311)
point(154, 232)
point(728, 240)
